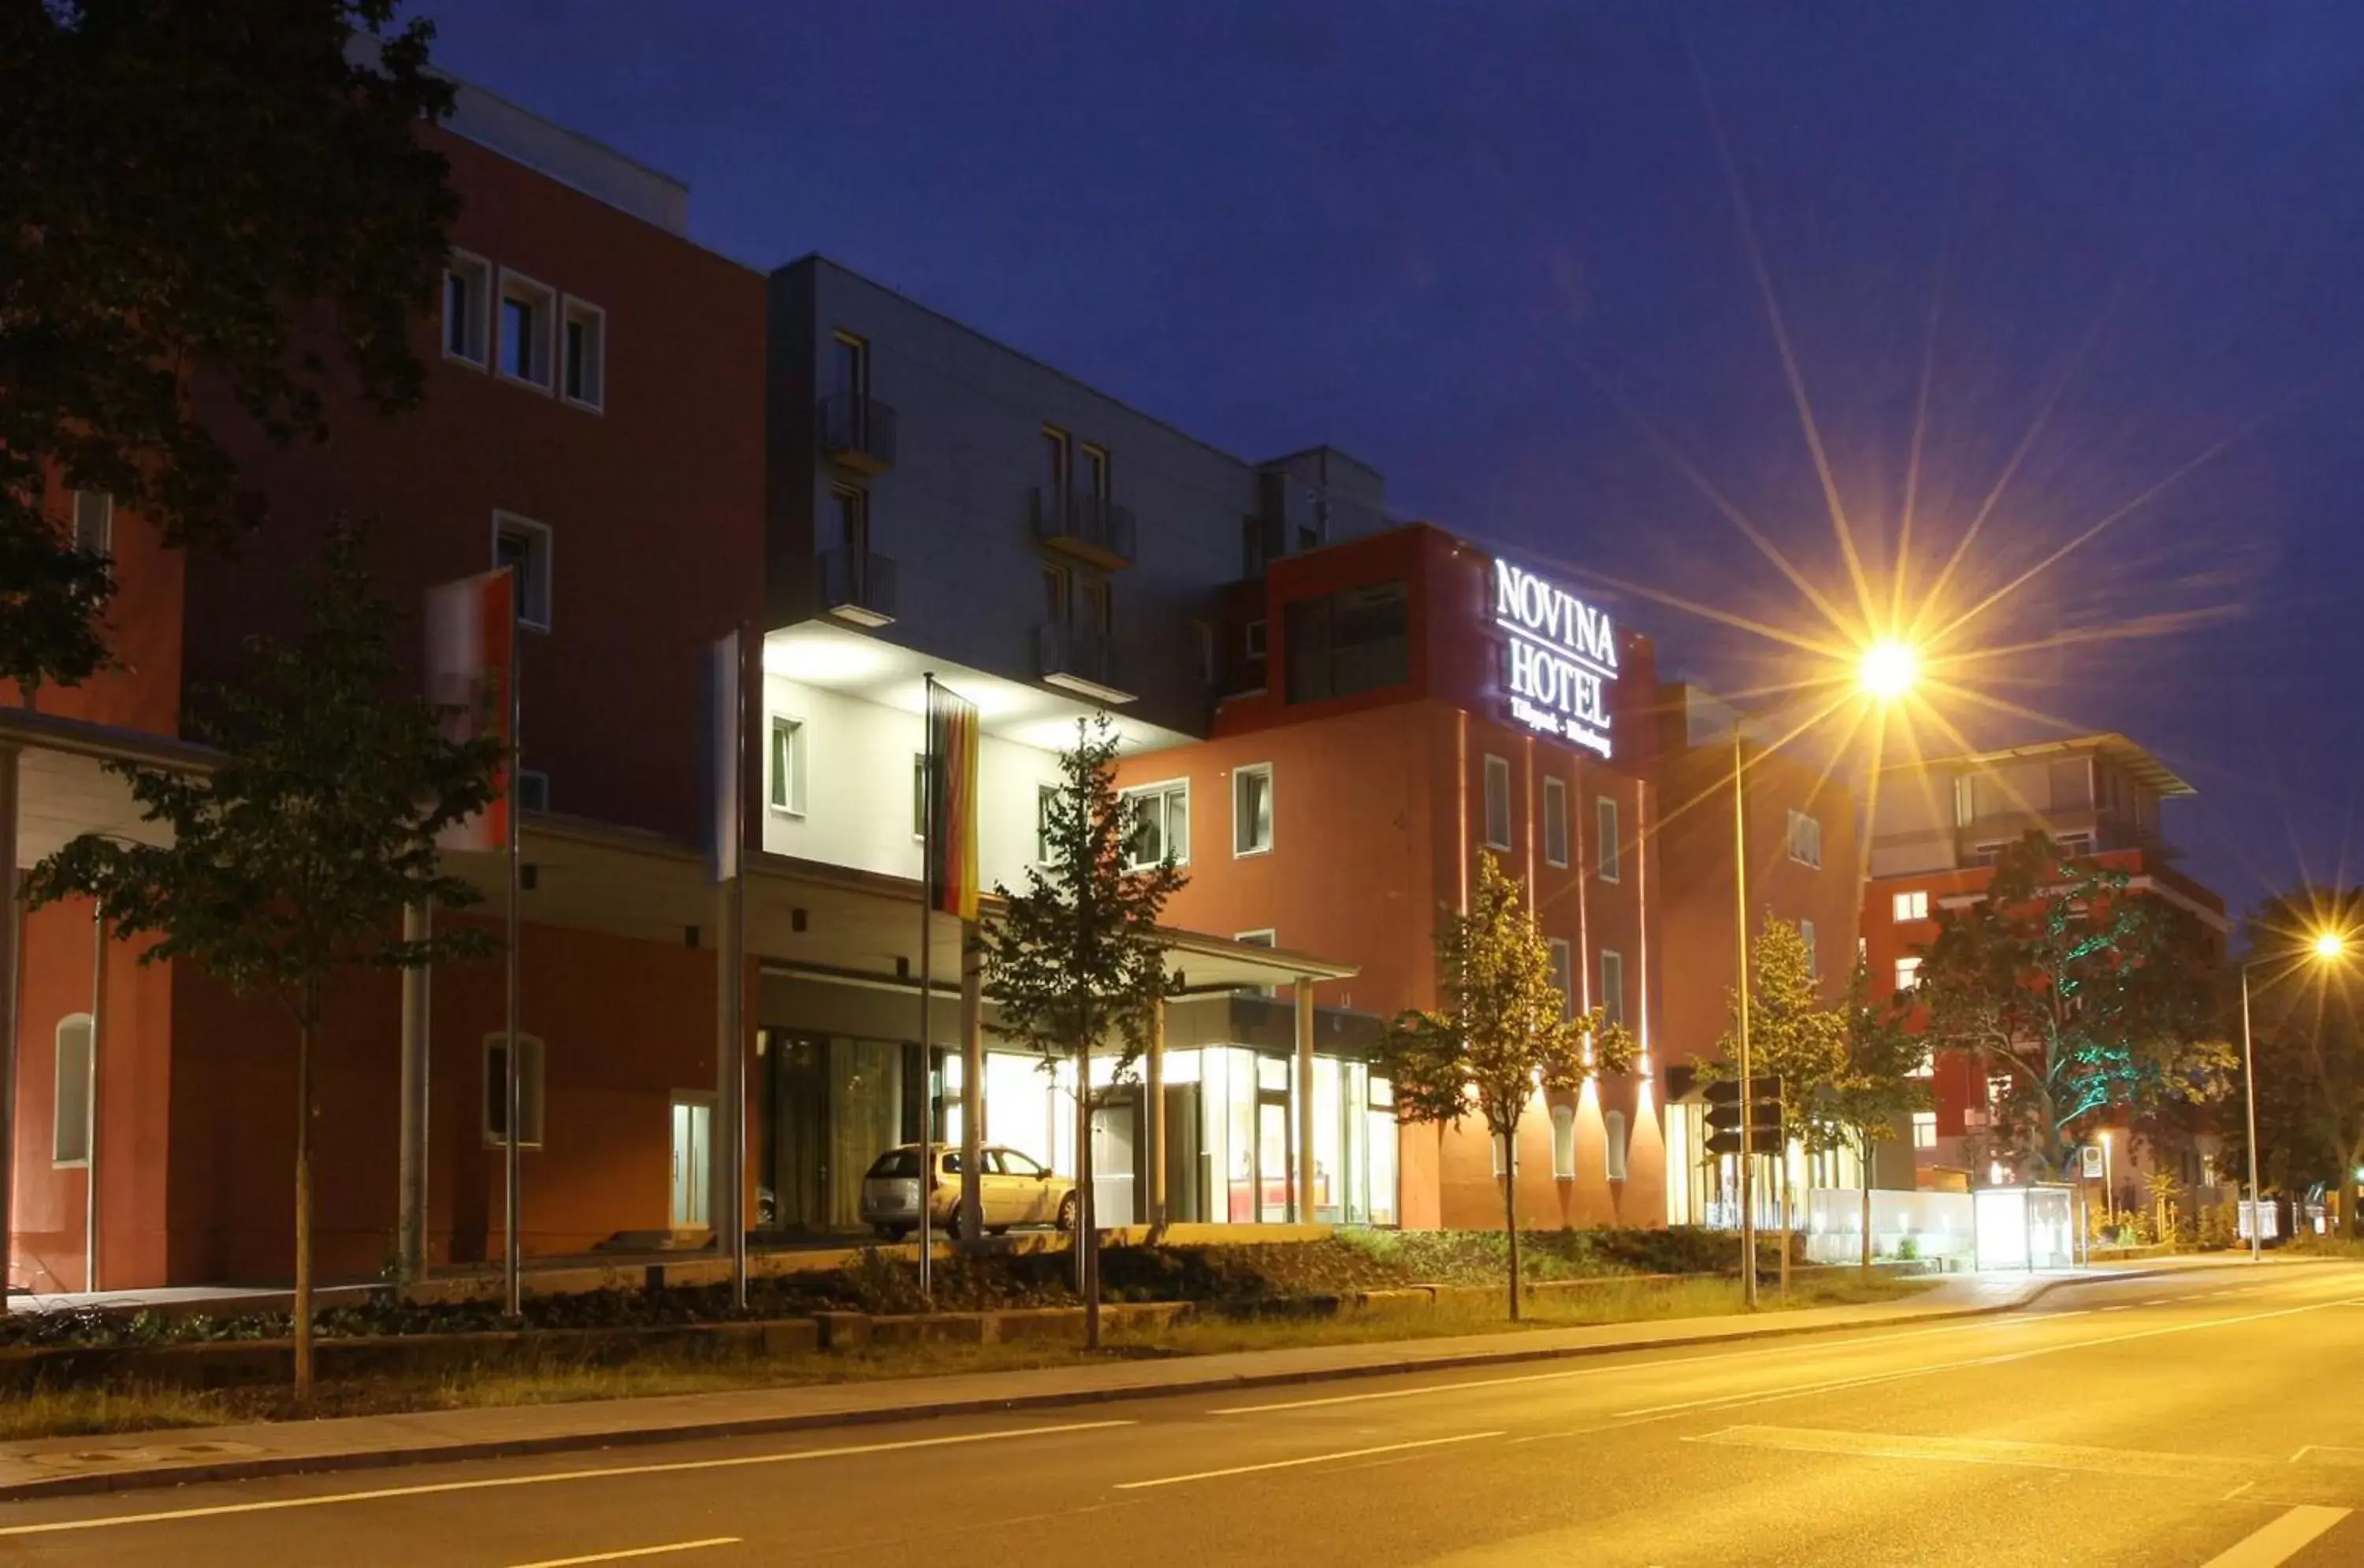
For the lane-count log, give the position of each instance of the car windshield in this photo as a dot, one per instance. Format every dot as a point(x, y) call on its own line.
point(898, 1162)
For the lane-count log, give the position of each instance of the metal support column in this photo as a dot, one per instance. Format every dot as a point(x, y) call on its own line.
point(1152, 1119)
point(1304, 1206)
point(410, 1232)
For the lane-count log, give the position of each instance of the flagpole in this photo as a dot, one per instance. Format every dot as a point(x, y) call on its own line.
point(513, 1092)
point(927, 995)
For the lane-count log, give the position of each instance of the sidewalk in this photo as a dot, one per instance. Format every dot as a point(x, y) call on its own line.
point(62, 1466)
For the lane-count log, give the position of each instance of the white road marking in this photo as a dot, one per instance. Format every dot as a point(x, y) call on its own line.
point(2279, 1540)
point(2083, 1458)
point(674, 1467)
point(632, 1551)
point(1308, 1459)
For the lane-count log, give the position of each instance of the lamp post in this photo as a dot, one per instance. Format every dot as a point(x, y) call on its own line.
point(2324, 947)
point(2109, 1184)
point(1885, 672)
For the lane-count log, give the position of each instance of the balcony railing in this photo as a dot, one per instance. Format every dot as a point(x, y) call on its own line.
point(1090, 527)
point(858, 585)
point(859, 433)
point(1082, 661)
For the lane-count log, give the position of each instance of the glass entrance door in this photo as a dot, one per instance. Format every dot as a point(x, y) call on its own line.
point(1272, 1161)
point(693, 1169)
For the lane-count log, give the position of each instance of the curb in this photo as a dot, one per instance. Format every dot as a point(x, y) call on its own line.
point(266, 1466)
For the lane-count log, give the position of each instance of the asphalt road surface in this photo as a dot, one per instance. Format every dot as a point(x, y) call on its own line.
point(2210, 1419)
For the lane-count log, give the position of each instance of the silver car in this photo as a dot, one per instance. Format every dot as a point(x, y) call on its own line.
point(1016, 1190)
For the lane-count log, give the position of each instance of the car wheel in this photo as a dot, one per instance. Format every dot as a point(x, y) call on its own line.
point(1070, 1211)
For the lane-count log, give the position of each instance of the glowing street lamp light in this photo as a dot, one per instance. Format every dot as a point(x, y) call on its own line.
point(1888, 670)
point(2326, 946)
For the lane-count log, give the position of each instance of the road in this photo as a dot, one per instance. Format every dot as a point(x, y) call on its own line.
point(2204, 1419)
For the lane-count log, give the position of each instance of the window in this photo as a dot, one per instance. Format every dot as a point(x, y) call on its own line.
point(918, 794)
point(847, 522)
point(1013, 1163)
point(1056, 465)
point(1251, 809)
point(1095, 477)
point(1908, 906)
point(496, 1091)
point(1556, 821)
point(528, 312)
point(1358, 639)
point(1924, 1130)
point(1613, 986)
point(467, 308)
point(1563, 976)
point(532, 794)
point(1806, 935)
point(1805, 839)
point(1966, 805)
point(1055, 594)
point(1926, 1067)
point(1908, 973)
point(1161, 825)
point(1497, 804)
point(1502, 1156)
point(849, 365)
point(787, 764)
point(1252, 547)
point(523, 546)
point(1604, 823)
point(1613, 1136)
point(1563, 1123)
point(94, 522)
point(584, 373)
point(1094, 606)
point(70, 1125)
point(1046, 851)
point(1252, 640)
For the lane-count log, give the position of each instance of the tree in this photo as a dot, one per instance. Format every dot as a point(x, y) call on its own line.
point(1793, 1039)
point(1505, 1033)
point(2078, 992)
point(1076, 959)
point(1876, 1088)
point(194, 200)
point(295, 858)
point(2307, 1041)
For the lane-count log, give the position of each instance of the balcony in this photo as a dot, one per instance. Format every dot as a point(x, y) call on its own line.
point(1090, 527)
point(858, 433)
point(858, 585)
point(1079, 659)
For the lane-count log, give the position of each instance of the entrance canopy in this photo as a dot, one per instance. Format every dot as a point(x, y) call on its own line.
point(66, 791)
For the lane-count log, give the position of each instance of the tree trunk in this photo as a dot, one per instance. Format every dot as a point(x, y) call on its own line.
point(304, 1214)
point(1867, 1203)
point(1511, 1214)
point(1087, 1219)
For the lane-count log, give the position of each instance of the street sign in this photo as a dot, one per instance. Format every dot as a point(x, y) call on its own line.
point(1723, 1113)
point(2092, 1161)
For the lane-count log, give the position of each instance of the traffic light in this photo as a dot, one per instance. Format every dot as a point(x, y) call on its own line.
point(1723, 1100)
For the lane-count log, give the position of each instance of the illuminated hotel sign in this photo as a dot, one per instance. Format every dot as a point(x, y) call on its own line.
point(1559, 655)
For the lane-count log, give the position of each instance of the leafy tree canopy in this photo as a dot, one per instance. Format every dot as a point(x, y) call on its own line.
point(1792, 1035)
point(2080, 993)
point(222, 194)
point(2307, 1037)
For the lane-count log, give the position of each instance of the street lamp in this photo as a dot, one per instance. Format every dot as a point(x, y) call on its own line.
point(1885, 672)
point(2326, 946)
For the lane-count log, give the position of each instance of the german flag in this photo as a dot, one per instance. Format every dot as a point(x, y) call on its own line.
point(951, 802)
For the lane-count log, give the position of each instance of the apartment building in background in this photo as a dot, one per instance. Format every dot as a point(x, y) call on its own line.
point(1936, 827)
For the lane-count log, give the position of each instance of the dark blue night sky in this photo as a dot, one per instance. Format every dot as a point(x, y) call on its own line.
point(1483, 247)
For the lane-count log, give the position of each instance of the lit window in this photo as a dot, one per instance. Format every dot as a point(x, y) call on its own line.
point(1497, 804)
point(1613, 986)
point(1563, 975)
point(1805, 839)
point(523, 546)
point(528, 319)
point(467, 308)
point(1047, 798)
point(1806, 935)
point(1604, 822)
point(583, 375)
point(787, 765)
point(1908, 973)
point(1501, 1155)
point(1909, 906)
point(529, 1091)
point(1924, 1130)
point(1613, 1138)
point(70, 1122)
point(93, 522)
point(1161, 825)
point(918, 794)
point(1556, 821)
point(1251, 809)
point(1563, 1123)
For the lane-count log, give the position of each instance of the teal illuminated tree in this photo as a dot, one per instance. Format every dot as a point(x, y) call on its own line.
point(2077, 995)
point(1505, 1035)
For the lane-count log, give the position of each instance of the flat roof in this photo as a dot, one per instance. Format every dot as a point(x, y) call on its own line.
point(2145, 766)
